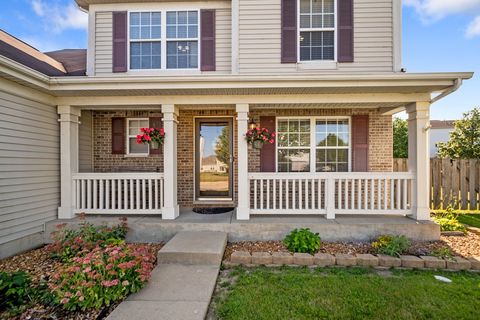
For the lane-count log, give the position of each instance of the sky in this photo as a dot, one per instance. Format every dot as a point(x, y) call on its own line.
point(438, 36)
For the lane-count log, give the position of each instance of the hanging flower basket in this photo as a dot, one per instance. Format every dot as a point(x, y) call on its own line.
point(153, 136)
point(259, 136)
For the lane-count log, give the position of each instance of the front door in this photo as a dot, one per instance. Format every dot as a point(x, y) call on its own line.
point(213, 159)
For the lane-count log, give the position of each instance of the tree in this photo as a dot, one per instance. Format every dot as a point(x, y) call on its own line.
point(222, 149)
point(400, 138)
point(464, 142)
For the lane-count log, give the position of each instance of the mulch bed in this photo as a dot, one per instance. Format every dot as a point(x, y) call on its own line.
point(466, 246)
point(41, 266)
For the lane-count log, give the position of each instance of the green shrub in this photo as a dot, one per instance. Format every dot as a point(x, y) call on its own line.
point(302, 240)
point(442, 253)
point(96, 278)
point(448, 221)
point(69, 242)
point(15, 291)
point(391, 245)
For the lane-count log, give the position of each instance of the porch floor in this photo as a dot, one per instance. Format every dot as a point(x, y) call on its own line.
point(271, 227)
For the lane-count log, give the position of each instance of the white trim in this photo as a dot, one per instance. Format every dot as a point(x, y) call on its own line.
point(397, 35)
point(163, 43)
point(235, 36)
point(92, 22)
point(302, 64)
point(128, 136)
point(313, 147)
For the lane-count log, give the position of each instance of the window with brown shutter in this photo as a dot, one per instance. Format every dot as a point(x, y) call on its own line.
point(118, 136)
point(267, 153)
point(119, 62)
point(360, 143)
point(207, 40)
point(345, 31)
point(289, 31)
point(156, 122)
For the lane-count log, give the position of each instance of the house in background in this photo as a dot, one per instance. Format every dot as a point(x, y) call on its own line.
point(306, 69)
point(439, 132)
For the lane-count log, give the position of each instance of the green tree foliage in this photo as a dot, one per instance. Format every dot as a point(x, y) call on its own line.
point(222, 149)
point(400, 138)
point(464, 142)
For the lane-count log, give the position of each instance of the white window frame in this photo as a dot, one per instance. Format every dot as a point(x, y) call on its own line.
point(128, 135)
point(313, 145)
point(163, 42)
point(335, 36)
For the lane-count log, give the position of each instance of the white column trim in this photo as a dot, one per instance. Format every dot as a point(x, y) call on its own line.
point(235, 35)
point(243, 206)
point(419, 157)
point(397, 35)
point(69, 121)
point(171, 210)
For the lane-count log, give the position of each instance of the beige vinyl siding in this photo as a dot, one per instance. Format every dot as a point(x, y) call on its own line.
point(103, 43)
point(223, 38)
point(29, 170)
point(85, 146)
point(260, 38)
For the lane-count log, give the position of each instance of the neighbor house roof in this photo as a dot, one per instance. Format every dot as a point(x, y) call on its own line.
point(442, 124)
point(54, 64)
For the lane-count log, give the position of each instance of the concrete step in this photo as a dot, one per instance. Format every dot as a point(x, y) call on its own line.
point(194, 247)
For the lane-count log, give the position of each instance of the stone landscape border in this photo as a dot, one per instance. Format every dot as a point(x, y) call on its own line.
point(278, 259)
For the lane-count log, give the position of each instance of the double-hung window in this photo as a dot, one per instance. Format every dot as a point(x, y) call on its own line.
point(182, 39)
point(164, 40)
point(145, 40)
point(313, 144)
point(317, 30)
point(133, 129)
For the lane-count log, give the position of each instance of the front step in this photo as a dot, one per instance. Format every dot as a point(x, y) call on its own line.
point(194, 247)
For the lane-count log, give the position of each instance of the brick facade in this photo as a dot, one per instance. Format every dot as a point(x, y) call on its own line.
point(380, 143)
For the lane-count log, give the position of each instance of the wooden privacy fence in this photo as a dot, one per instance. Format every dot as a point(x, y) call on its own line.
point(455, 182)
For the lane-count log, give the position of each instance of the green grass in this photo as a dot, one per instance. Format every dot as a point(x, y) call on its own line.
point(472, 220)
point(291, 293)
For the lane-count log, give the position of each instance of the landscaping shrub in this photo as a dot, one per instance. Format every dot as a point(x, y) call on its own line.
point(15, 291)
point(391, 245)
point(69, 242)
point(302, 240)
point(98, 277)
point(448, 221)
point(442, 253)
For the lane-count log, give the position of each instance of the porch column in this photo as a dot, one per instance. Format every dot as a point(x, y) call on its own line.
point(170, 208)
point(419, 157)
point(243, 207)
point(68, 158)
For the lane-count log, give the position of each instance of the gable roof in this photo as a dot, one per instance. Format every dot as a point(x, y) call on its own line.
point(442, 124)
point(57, 63)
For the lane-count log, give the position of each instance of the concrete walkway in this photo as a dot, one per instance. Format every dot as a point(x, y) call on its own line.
point(182, 284)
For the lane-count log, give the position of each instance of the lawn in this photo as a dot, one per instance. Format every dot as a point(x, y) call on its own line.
point(472, 220)
point(291, 293)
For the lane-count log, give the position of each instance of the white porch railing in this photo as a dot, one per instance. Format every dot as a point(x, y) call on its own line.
point(331, 193)
point(118, 193)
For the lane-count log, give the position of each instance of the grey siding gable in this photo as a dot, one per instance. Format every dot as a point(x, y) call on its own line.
point(29, 169)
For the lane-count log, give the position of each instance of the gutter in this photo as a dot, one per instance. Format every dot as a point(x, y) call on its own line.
point(456, 85)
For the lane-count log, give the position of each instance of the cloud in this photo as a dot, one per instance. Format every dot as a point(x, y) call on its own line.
point(434, 10)
point(473, 29)
point(57, 17)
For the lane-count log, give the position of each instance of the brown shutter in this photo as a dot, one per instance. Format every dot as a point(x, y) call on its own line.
point(156, 122)
point(267, 153)
point(118, 136)
point(207, 40)
point(289, 31)
point(360, 143)
point(345, 30)
point(119, 41)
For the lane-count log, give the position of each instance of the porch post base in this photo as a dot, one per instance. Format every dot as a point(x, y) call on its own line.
point(243, 213)
point(421, 214)
point(65, 213)
point(170, 213)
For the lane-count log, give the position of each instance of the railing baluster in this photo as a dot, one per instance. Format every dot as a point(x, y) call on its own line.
point(101, 200)
point(280, 203)
point(392, 194)
point(294, 192)
point(405, 194)
point(287, 194)
point(255, 194)
point(274, 194)
point(89, 194)
point(261, 194)
point(352, 194)
point(319, 193)
point(268, 194)
point(113, 194)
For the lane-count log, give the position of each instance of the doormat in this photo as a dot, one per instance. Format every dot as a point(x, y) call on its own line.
point(212, 210)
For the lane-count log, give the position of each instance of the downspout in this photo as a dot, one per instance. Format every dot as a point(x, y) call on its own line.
point(457, 83)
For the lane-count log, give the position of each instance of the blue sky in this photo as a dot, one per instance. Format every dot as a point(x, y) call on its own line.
point(438, 35)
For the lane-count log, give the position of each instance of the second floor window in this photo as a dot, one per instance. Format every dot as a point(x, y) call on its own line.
point(317, 30)
point(164, 40)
